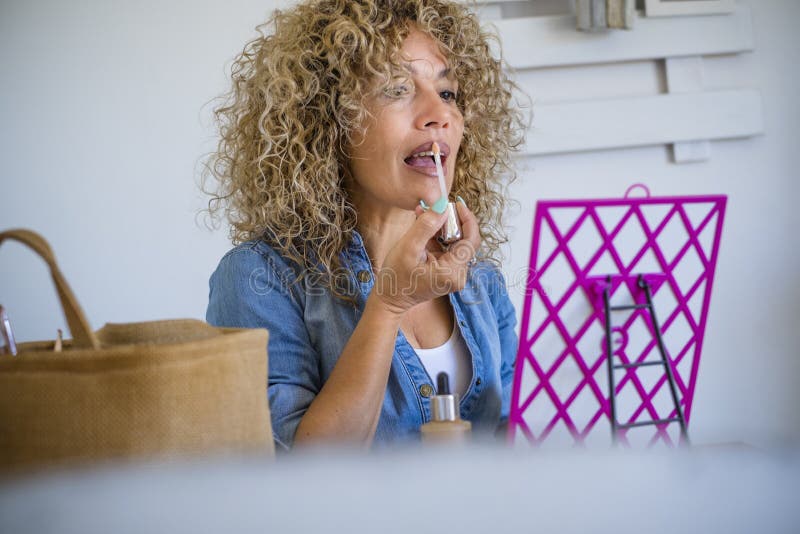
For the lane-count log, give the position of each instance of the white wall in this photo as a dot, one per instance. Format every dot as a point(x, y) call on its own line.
point(104, 120)
point(104, 124)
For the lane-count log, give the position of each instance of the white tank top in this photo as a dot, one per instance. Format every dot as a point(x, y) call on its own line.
point(453, 358)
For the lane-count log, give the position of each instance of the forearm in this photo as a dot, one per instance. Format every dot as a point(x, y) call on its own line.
point(348, 407)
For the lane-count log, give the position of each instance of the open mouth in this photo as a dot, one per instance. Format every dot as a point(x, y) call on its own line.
point(422, 157)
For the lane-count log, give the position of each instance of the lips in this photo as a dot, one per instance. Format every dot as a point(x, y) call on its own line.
point(419, 159)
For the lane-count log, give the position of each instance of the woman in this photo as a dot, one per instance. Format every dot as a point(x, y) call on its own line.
point(325, 172)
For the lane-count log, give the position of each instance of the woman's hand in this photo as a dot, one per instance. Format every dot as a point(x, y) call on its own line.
point(416, 269)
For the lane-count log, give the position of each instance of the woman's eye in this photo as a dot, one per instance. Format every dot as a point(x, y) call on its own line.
point(448, 96)
point(396, 91)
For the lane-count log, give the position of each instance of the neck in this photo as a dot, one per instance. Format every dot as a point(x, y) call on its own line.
point(381, 229)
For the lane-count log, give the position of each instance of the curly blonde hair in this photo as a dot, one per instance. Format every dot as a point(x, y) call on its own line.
point(297, 104)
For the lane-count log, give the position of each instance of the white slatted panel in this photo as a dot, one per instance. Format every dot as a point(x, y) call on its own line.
point(536, 42)
point(649, 120)
point(686, 75)
point(687, 117)
point(669, 8)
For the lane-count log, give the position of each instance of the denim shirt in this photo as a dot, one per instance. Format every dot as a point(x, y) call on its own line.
point(255, 287)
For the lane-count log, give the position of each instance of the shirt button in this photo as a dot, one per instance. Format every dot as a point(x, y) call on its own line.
point(426, 390)
point(463, 323)
point(364, 276)
point(478, 382)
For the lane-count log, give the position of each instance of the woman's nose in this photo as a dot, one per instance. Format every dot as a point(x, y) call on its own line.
point(433, 112)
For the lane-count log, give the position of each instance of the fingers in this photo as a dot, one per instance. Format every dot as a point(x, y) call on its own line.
point(418, 262)
point(461, 255)
point(423, 230)
point(463, 251)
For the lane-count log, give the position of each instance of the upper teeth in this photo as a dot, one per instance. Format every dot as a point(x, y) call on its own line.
point(422, 154)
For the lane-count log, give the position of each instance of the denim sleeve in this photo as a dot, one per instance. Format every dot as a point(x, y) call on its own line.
point(249, 290)
point(506, 321)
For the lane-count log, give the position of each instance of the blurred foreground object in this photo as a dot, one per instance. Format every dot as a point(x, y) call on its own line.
point(472, 489)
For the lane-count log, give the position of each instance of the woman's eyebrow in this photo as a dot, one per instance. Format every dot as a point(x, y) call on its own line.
point(443, 73)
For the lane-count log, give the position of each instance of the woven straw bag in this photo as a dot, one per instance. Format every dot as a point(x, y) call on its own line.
point(153, 389)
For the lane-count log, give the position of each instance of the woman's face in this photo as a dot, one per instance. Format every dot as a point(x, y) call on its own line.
point(387, 167)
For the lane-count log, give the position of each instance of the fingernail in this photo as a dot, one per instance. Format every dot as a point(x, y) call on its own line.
point(458, 197)
point(440, 205)
point(423, 205)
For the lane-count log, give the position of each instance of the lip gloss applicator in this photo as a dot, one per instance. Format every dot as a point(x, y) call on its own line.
point(440, 204)
point(451, 231)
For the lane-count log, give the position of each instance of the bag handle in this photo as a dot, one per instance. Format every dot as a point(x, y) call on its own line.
point(82, 334)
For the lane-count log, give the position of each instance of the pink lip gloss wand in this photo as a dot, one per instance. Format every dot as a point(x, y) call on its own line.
point(451, 231)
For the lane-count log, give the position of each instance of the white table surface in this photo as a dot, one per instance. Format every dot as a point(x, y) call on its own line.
point(480, 489)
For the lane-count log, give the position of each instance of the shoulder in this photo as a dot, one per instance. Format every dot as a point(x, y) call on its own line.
point(254, 264)
point(251, 285)
point(254, 255)
point(252, 252)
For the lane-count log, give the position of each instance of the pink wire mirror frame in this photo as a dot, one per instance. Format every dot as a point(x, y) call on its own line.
point(594, 363)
